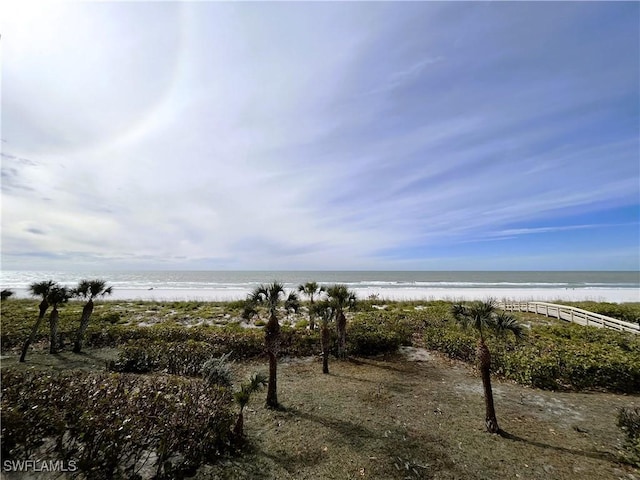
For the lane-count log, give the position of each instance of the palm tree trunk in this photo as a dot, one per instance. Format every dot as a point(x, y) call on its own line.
point(87, 310)
point(325, 349)
point(312, 321)
point(44, 305)
point(272, 389)
point(484, 364)
point(238, 430)
point(342, 335)
point(53, 327)
point(272, 333)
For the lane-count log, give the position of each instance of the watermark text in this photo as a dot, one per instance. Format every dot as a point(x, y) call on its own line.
point(39, 466)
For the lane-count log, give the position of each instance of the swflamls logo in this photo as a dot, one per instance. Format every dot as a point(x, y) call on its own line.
point(39, 466)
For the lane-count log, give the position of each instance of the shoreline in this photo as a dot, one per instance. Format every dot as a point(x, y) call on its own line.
point(611, 295)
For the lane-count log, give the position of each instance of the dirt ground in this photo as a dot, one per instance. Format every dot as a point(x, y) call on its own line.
point(413, 415)
point(420, 415)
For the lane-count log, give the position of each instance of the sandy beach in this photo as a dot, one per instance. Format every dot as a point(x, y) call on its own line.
point(615, 295)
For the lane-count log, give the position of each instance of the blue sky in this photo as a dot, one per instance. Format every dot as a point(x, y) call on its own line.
point(433, 135)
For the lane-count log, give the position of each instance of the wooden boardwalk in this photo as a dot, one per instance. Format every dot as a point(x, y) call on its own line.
point(571, 314)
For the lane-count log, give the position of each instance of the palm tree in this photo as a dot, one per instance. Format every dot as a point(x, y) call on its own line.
point(325, 312)
point(57, 295)
point(6, 293)
point(310, 289)
point(482, 316)
point(88, 290)
point(340, 298)
point(270, 296)
point(38, 289)
point(242, 398)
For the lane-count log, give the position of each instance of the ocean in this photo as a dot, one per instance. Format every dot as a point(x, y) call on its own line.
point(399, 285)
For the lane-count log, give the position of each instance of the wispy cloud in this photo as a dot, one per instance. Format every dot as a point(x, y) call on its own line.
point(312, 135)
point(538, 230)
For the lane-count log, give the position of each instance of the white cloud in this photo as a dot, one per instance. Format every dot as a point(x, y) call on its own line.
point(300, 135)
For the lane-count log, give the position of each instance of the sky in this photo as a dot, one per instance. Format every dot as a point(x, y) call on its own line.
point(320, 136)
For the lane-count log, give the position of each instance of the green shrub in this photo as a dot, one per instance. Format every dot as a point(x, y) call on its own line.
point(111, 423)
point(376, 334)
point(178, 358)
point(552, 357)
point(217, 371)
point(298, 343)
point(111, 317)
point(136, 358)
point(450, 340)
point(302, 324)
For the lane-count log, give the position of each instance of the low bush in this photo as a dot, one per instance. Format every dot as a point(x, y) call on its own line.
point(302, 324)
point(187, 356)
point(217, 371)
point(376, 334)
point(450, 340)
point(552, 357)
point(178, 358)
point(115, 425)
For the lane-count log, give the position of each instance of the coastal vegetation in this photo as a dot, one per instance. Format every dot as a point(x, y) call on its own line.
point(88, 290)
point(340, 298)
point(483, 317)
point(40, 289)
point(271, 296)
point(311, 290)
point(6, 293)
point(169, 351)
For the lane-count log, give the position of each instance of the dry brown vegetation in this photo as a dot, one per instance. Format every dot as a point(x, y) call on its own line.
point(414, 414)
point(411, 415)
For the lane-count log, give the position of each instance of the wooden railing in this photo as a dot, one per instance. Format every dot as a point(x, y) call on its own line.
point(571, 314)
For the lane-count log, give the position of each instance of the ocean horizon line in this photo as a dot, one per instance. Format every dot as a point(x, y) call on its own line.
point(618, 286)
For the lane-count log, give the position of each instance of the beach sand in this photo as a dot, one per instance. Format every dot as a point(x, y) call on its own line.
point(615, 295)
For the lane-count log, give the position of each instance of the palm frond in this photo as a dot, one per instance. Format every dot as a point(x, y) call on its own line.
point(242, 397)
point(340, 296)
point(459, 312)
point(259, 294)
point(503, 323)
point(41, 289)
point(82, 290)
point(257, 380)
point(324, 310)
point(292, 303)
point(249, 311)
point(97, 287)
point(309, 288)
point(58, 295)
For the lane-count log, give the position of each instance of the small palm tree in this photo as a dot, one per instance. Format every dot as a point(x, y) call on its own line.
point(6, 293)
point(270, 297)
point(482, 316)
point(88, 290)
point(310, 290)
point(57, 295)
point(325, 312)
point(242, 397)
point(340, 298)
point(38, 289)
